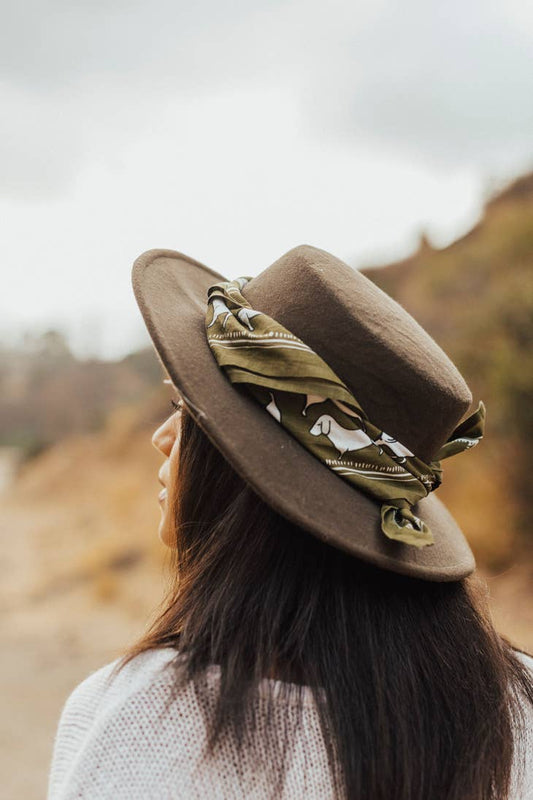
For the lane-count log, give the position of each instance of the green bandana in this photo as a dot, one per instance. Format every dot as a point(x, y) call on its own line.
point(310, 401)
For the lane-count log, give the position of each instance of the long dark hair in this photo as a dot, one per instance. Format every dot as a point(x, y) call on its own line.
point(418, 697)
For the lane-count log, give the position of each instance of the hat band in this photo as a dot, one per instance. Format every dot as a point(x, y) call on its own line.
point(303, 394)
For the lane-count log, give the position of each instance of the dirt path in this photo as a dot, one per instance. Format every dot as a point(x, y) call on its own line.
point(54, 633)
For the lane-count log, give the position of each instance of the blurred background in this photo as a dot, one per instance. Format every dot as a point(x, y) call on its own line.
point(398, 136)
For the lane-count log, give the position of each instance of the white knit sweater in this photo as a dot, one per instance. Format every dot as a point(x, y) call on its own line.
point(114, 741)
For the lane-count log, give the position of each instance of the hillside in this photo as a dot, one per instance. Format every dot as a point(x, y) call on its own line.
point(476, 298)
point(47, 394)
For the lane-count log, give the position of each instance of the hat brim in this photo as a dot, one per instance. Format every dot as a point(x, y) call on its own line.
point(171, 291)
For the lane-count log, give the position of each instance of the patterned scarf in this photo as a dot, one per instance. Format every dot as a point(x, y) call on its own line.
point(310, 401)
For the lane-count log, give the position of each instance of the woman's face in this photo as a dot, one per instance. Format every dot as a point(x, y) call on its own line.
point(166, 440)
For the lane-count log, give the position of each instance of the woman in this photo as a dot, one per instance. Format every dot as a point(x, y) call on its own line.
point(325, 635)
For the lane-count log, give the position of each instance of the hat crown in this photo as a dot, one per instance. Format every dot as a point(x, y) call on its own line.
point(404, 381)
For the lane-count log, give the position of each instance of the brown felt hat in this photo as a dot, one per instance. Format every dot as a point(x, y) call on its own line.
point(403, 380)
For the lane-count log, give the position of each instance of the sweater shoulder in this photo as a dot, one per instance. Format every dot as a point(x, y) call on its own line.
point(105, 710)
point(139, 733)
point(138, 673)
point(526, 659)
point(522, 777)
point(115, 686)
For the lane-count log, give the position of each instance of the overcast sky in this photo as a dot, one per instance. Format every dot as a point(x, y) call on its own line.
point(235, 131)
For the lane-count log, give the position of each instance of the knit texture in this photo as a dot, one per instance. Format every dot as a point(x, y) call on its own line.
point(116, 741)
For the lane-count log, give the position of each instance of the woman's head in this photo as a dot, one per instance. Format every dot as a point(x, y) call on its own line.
point(420, 693)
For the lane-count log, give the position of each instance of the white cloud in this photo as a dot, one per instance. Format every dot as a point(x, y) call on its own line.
point(231, 180)
point(235, 131)
point(449, 83)
point(445, 82)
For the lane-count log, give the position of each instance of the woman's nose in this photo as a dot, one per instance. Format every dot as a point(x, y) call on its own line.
point(163, 438)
